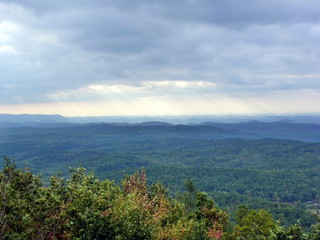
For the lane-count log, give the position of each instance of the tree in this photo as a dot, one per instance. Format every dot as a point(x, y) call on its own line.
point(189, 196)
point(254, 224)
point(20, 191)
point(315, 232)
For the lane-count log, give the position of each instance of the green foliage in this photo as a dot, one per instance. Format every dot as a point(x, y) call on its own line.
point(83, 207)
point(315, 233)
point(189, 197)
point(293, 232)
point(87, 202)
point(215, 219)
point(254, 224)
point(278, 175)
point(20, 195)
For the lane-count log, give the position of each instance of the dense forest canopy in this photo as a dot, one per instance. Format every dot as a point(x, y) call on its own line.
point(84, 207)
point(280, 176)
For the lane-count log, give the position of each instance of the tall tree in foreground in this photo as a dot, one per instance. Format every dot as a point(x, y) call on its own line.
point(83, 207)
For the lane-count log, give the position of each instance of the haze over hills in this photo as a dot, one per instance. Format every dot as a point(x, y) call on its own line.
point(294, 127)
point(196, 119)
point(298, 118)
point(265, 164)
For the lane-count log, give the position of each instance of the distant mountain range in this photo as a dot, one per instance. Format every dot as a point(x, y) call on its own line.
point(308, 118)
point(253, 161)
point(156, 120)
point(303, 128)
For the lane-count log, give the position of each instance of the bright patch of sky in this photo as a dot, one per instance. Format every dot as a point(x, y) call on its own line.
point(91, 58)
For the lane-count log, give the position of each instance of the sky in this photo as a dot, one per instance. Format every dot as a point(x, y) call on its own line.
point(159, 57)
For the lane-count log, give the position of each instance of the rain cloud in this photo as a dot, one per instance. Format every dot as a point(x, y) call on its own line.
point(81, 51)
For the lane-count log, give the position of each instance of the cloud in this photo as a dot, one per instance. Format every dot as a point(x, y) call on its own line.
point(165, 88)
point(52, 51)
point(281, 102)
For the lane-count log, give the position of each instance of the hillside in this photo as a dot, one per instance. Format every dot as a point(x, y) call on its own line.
point(84, 207)
point(229, 161)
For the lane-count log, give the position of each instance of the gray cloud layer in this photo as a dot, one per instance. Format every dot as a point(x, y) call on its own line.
point(245, 47)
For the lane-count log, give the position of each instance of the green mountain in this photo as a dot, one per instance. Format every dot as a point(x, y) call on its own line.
point(234, 163)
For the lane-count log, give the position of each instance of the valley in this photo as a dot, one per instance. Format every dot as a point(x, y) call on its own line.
point(272, 165)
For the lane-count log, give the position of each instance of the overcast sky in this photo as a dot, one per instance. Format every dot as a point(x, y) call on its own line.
point(159, 57)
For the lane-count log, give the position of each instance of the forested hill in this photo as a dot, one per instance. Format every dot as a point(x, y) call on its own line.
point(278, 130)
point(309, 132)
point(234, 163)
point(84, 207)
